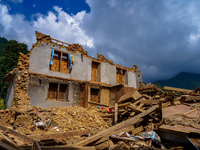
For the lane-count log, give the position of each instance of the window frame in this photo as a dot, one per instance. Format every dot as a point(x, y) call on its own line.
point(58, 91)
point(60, 56)
point(123, 75)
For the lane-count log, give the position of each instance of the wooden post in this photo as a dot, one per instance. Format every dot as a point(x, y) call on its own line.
point(58, 91)
point(116, 113)
point(61, 62)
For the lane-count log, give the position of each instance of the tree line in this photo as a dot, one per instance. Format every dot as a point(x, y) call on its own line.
point(9, 54)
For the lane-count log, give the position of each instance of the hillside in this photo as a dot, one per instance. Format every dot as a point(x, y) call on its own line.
point(183, 80)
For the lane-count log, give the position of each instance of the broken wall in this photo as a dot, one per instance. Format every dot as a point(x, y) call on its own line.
point(40, 58)
point(10, 92)
point(138, 78)
point(131, 80)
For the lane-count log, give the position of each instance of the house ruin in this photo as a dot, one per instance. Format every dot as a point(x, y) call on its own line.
point(56, 73)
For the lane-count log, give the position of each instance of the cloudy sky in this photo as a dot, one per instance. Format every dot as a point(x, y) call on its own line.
point(162, 37)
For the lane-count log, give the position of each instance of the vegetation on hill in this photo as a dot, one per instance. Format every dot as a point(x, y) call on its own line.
point(183, 80)
point(9, 54)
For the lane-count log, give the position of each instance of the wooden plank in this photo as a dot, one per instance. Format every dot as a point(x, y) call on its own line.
point(134, 94)
point(23, 137)
point(177, 89)
point(119, 126)
point(5, 146)
point(192, 98)
point(181, 129)
point(104, 145)
point(99, 104)
point(135, 109)
point(172, 128)
point(87, 96)
point(36, 146)
point(67, 148)
point(123, 138)
point(59, 135)
point(137, 130)
point(191, 111)
point(146, 96)
point(126, 129)
point(140, 106)
point(120, 105)
point(7, 140)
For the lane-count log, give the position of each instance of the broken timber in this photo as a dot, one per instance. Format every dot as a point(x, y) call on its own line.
point(177, 89)
point(24, 137)
point(119, 126)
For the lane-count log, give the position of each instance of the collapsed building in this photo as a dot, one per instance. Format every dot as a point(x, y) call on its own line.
point(135, 116)
point(56, 73)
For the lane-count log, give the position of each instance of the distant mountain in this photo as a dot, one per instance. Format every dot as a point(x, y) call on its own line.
point(183, 80)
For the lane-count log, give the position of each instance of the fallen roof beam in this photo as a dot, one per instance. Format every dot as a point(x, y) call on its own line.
point(116, 127)
point(177, 89)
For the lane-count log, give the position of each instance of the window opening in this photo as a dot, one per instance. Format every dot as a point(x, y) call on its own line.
point(121, 76)
point(95, 71)
point(60, 62)
point(58, 92)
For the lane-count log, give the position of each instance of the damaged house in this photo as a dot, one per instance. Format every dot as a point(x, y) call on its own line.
point(55, 73)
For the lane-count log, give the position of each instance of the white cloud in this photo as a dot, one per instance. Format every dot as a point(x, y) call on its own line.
point(59, 25)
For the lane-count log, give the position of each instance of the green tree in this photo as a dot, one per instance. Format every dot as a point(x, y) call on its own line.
point(3, 41)
point(8, 61)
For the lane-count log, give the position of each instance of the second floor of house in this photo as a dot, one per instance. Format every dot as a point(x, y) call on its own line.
point(55, 60)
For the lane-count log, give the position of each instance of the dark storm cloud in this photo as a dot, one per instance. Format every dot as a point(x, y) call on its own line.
point(161, 37)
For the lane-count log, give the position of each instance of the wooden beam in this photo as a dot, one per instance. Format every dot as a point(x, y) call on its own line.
point(23, 137)
point(118, 126)
point(126, 129)
point(104, 145)
point(59, 135)
point(7, 140)
point(192, 98)
point(36, 146)
point(134, 94)
point(135, 109)
point(67, 148)
point(137, 130)
point(123, 138)
point(5, 146)
point(99, 104)
point(191, 111)
point(177, 89)
point(120, 105)
point(116, 113)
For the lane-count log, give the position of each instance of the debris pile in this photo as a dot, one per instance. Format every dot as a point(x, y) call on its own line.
point(147, 118)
